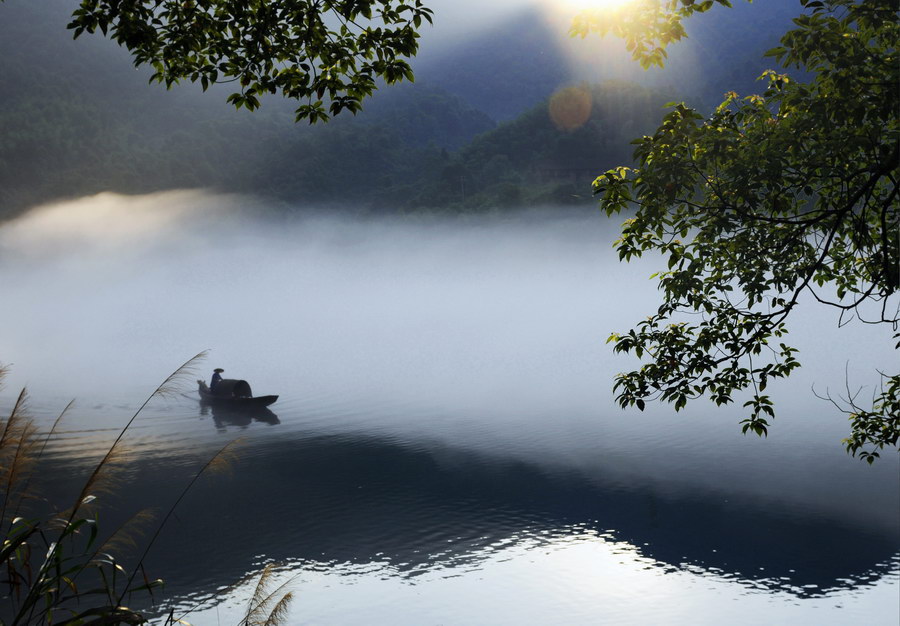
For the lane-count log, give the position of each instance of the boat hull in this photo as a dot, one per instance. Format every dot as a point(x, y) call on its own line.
point(236, 403)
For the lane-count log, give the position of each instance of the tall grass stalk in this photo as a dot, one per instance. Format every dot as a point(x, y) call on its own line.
point(53, 567)
point(219, 461)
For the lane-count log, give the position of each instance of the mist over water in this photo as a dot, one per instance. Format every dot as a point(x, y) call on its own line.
point(467, 350)
point(112, 292)
point(133, 286)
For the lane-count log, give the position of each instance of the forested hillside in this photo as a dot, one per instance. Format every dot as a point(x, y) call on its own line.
point(77, 118)
point(549, 155)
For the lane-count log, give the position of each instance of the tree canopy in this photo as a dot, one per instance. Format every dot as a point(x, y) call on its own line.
point(328, 54)
point(772, 198)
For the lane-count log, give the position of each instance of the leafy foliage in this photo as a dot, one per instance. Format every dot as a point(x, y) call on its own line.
point(876, 426)
point(647, 26)
point(773, 197)
point(303, 49)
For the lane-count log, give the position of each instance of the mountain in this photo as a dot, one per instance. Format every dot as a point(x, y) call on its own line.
point(78, 118)
point(547, 156)
point(503, 71)
point(526, 57)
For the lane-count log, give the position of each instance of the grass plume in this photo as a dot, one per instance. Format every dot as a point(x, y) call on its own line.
point(17, 442)
point(219, 462)
point(25, 492)
point(126, 536)
point(267, 607)
point(167, 388)
point(44, 557)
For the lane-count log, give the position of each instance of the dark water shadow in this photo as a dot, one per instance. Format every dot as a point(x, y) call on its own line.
point(340, 499)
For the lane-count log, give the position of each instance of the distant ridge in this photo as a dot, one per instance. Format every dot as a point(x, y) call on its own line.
point(78, 119)
point(527, 57)
point(504, 71)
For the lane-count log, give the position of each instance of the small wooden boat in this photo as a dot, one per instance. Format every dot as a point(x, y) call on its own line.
point(234, 394)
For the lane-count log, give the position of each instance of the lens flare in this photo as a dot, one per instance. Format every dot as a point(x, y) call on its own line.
point(570, 108)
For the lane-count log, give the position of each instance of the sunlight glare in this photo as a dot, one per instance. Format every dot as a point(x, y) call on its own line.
point(568, 9)
point(575, 6)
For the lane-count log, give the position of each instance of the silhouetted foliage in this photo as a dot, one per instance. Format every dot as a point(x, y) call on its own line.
point(771, 198)
point(305, 50)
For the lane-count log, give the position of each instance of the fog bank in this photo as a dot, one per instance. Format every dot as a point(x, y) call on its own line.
point(487, 329)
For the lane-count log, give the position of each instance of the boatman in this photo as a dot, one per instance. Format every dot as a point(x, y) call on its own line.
point(217, 376)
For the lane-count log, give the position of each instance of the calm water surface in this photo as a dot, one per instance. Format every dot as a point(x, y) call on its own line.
point(446, 449)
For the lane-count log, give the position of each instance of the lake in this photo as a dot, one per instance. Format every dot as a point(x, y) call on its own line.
point(446, 448)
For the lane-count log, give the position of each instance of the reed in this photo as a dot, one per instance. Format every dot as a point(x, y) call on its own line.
point(267, 606)
point(54, 567)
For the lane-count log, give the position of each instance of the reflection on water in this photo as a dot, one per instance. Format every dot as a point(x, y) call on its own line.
point(356, 500)
point(223, 417)
point(531, 584)
point(358, 515)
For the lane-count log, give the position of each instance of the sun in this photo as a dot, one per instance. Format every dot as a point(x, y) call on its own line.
point(571, 8)
point(587, 5)
point(568, 9)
